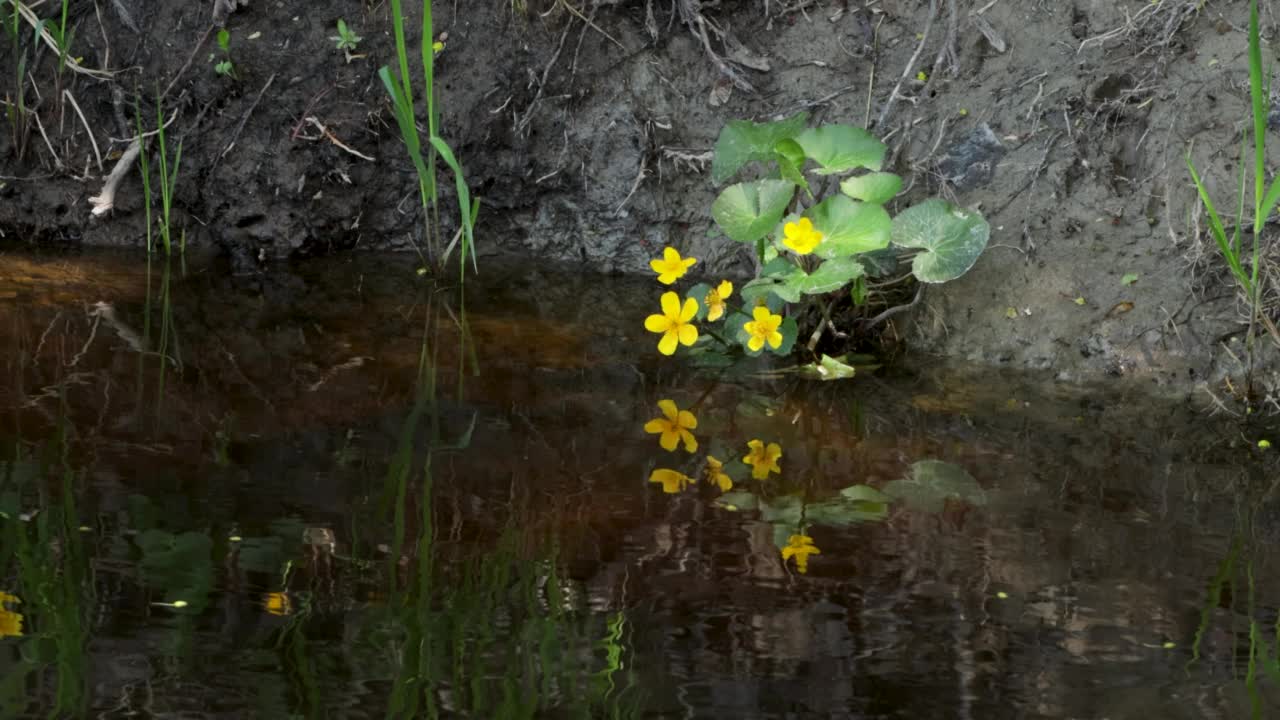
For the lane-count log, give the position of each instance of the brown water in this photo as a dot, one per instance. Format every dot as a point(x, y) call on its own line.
point(334, 491)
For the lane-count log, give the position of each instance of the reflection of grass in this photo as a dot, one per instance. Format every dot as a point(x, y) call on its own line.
point(48, 557)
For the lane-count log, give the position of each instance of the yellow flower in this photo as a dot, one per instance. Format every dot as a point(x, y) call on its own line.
point(800, 547)
point(714, 473)
point(763, 329)
point(715, 300)
point(675, 426)
point(671, 267)
point(800, 236)
point(763, 460)
point(278, 603)
point(673, 323)
point(672, 481)
point(10, 621)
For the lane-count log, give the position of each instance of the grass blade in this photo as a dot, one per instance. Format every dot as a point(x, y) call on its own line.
point(1219, 232)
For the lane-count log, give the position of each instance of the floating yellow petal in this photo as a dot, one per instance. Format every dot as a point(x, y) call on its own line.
point(763, 329)
point(800, 547)
point(671, 267)
point(674, 427)
point(801, 236)
point(763, 460)
point(277, 603)
point(673, 324)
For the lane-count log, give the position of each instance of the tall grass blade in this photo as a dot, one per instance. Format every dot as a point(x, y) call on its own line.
point(1219, 232)
point(466, 210)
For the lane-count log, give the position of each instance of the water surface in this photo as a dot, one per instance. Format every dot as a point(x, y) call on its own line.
point(340, 490)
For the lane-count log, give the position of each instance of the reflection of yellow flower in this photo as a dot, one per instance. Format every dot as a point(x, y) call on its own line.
point(673, 323)
point(715, 474)
point(674, 427)
point(763, 460)
point(800, 547)
point(671, 267)
point(715, 300)
point(10, 621)
point(278, 603)
point(672, 481)
point(763, 329)
point(801, 236)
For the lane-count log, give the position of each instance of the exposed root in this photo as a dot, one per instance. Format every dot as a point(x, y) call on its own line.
point(691, 15)
point(906, 71)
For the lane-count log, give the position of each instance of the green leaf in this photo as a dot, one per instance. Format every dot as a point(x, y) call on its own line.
point(877, 188)
point(839, 148)
point(790, 331)
point(830, 276)
point(748, 211)
point(743, 141)
point(699, 292)
point(951, 238)
point(931, 482)
point(858, 293)
point(224, 39)
point(880, 263)
point(778, 267)
point(849, 227)
point(774, 292)
point(1129, 279)
point(790, 171)
point(864, 493)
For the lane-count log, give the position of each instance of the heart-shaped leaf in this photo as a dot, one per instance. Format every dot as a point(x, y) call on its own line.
point(830, 276)
point(743, 141)
point(840, 148)
point(849, 227)
point(950, 237)
point(877, 188)
point(748, 211)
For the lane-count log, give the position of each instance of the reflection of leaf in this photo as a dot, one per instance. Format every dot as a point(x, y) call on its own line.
point(950, 237)
point(864, 493)
point(262, 554)
point(931, 482)
point(181, 565)
point(738, 500)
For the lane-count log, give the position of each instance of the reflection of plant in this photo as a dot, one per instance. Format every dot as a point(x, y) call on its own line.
point(277, 603)
point(674, 427)
point(10, 620)
point(674, 323)
point(672, 482)
point(715, 474)
point(800, 547)
point(763, 460)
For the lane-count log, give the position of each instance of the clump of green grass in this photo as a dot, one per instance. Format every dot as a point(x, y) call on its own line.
point(1264, 198)
point(423, 156)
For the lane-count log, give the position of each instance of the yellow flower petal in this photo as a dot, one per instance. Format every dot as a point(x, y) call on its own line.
point(689, 310)
point(672, 481)
point(690, 442)
point(775, 340)
point(655, 426)
point(725, 289)
point(688, 334)
point(667, 345)
point(671, 305)
point(669, 410)
point(669, 439)
point(755, 343)
point(657, 323)
point(761, 313)
point(686, 419)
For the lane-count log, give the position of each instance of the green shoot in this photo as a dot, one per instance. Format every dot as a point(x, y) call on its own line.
point(347, 40)
point(225, 67)
point(168, 183)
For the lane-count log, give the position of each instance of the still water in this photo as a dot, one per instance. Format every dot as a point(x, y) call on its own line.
point(340, 491)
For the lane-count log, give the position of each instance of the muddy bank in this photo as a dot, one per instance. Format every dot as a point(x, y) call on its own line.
point(587, 131)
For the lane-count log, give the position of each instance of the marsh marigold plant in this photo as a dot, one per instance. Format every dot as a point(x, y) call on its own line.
point(671, 267)
point(801, 236)
point(673, 324)
point(674, 426)
point(763, 329)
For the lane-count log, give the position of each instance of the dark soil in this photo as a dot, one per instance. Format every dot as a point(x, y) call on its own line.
point(589, 143)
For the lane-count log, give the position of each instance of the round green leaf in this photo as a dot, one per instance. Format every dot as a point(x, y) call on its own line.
point(743, 141)
point(839, 148)
point(830, 276)
point(849, 227)
point(790, 331)
point(748, 211)
point(951, 237)
point(877, 188)
point(768, 287)
point(699, 292)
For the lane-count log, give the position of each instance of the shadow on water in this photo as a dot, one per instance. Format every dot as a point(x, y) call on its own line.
point(347, 497)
